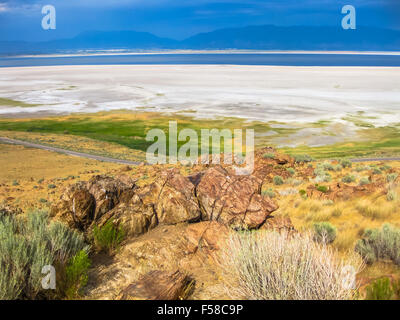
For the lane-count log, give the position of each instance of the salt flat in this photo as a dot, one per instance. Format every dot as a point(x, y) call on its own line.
point(266, 93)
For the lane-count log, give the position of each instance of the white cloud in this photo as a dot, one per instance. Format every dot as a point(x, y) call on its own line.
point(3, 7)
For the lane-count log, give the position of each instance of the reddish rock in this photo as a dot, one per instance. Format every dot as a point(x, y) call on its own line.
point(75, 207)
point(159, 285)
point(109, 192)
point(176, 200)
point(279, 224)
point(232, 200)
point(205, 236)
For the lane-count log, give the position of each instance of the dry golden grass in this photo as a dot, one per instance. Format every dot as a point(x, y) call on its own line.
point(26, 174)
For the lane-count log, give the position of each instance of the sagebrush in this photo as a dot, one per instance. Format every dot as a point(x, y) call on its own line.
point(267, 265)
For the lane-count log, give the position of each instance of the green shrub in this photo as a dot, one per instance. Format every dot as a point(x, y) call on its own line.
point(376, 171)
point(385, 168)
point(364, 181)
point(26, 246)
point(108, 237)
point(291, 171)
point(348, 178)
point(380, 244)
point(324, 232)
point(15, 183)
point(51, 186)
point(278, 180)
point(328, 166)
point(323, 189)
point(338, 167)
point(269, 193)
point(391, 177)
point(269, 155)
point(303, 158)
point(76, 274)
point(380, 289)
point(346, 163)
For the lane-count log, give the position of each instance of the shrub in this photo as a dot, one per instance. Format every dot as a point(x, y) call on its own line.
point(303, 193)
point(108, 237)
point(15, 183)
point(269, 155)
point(328, 166)
point(376, 171)
point(360, 168)
point(268, 265)
point(378, 244)
point(269, 193)
point(291, 171)
point(76, 274)
point(346, 163)
point(322, 176)
point(385, 168)
point(278, 180)
point(364, 181)
point(51, 186)
point(338, 167)
point(323, 189)
point(391, 177)
point(348, 179)
point(26, 246)
point(324, 232)
point(380, 289)
point(303, 158)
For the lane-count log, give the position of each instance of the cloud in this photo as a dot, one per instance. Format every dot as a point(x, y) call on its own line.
point(3, 7)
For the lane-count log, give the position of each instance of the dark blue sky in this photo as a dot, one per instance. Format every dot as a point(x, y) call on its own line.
point(21, 19)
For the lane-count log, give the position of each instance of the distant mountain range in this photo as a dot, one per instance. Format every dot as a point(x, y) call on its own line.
point(267, 37)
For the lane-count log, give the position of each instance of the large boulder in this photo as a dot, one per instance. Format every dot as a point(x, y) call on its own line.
point(159, 285)
point(136, 217)
point(76, 206)
point(109, 192)
point(83, 203)
point(233, 200)
point(173, 197)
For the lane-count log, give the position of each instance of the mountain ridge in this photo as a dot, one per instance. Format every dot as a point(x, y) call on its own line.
point(264, 37)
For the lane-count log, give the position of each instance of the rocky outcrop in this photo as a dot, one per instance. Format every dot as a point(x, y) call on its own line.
point(232, 200)
point(85, 202)
point(176, 201)
point(216, 194)
point(158, 285)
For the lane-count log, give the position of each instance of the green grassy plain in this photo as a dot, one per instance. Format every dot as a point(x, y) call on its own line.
point(129, 129)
